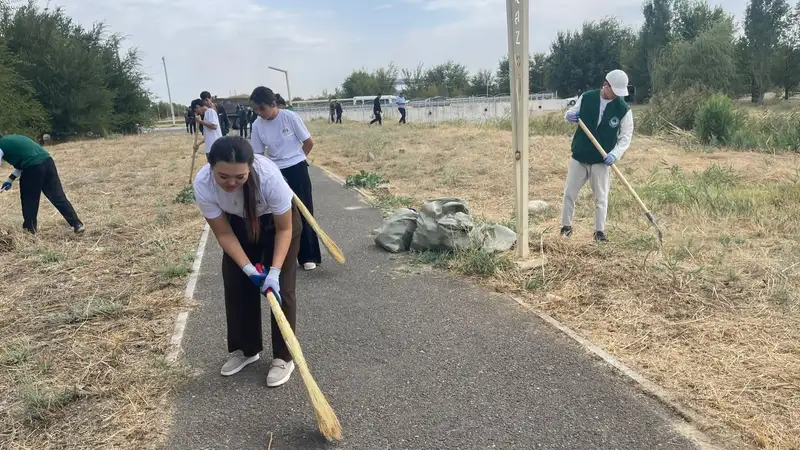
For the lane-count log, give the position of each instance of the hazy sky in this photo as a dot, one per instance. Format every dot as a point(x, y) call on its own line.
point(222, 50)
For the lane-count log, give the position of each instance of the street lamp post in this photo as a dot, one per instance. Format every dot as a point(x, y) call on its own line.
point(169, 94)
point(286, 74)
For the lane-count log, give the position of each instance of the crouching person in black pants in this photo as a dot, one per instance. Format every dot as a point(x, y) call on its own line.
point(287, 142)
point(37, 174)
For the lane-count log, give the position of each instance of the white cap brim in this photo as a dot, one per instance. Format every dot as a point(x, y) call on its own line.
point(620, 92)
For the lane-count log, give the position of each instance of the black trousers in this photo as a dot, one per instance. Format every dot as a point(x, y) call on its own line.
point(43, 179)
point(402, 115)
point(243, 299)
point(377, 118)
point(298, 179)
point(338, 117)
point(243, 128)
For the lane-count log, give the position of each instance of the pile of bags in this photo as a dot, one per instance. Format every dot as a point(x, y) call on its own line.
point(442, 224)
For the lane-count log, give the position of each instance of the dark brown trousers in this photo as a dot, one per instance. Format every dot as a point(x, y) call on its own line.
point(243, 299)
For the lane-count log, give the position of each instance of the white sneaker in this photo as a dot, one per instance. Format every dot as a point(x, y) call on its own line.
point(279, 372)
point(309, 266)
point(237, 362)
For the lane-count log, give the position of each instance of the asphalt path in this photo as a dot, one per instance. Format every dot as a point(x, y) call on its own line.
point(408, 358)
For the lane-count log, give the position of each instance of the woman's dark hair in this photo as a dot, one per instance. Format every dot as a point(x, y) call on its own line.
point(279, 100)
point(262, 96)
point(236, 149)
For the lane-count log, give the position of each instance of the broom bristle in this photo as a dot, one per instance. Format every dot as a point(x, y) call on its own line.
point(326, 418)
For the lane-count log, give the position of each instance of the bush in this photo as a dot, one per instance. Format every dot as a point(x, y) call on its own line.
point(668, 108)
point(716, 120)
point(768, 132)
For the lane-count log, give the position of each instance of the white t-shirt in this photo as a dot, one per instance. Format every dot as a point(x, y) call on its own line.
point(210, 135)
point(283, 137)
point(274, 196)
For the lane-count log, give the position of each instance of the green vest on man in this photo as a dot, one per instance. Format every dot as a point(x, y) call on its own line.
point(613, 130)
point(583, 150)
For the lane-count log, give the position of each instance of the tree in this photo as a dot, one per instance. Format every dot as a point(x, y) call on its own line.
point(449, 79)
point(786, 63)
point(764, 24)
point(361, 82)
point(482, 83)
point(538, 73)
point(656, 30)
point(414, 81)
point(76, 74)
point(706, 63)
point(503, 77)
point(580, 60)
point(691, 18)
point(22, 113)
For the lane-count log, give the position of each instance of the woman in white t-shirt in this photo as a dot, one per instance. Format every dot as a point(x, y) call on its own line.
point(249, 207)
point(287, 143)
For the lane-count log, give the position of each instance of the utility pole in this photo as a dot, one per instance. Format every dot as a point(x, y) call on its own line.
point(518, 43)
point(288, 91)
point(169, 95)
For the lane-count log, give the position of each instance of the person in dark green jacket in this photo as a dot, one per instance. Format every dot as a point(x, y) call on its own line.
point(609, 118)
point(37, 174)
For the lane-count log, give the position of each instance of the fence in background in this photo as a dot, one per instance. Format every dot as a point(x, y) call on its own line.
point(476, 109)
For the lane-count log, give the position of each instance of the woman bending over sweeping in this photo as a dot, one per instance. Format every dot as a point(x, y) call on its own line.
point(288, 143)
point(248, 205)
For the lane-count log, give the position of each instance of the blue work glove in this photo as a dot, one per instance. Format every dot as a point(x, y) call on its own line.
point(271, 282)
point(255, 276)
point(572, 117)
point(6, 185)
point(610, 159)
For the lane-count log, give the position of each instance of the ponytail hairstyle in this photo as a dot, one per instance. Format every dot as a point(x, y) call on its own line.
point(236, 149)
point(280, 101)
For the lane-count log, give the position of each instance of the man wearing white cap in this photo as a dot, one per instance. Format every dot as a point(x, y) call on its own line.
point(609, 118)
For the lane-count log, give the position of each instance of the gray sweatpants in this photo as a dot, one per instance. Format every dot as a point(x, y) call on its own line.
point(599, 178)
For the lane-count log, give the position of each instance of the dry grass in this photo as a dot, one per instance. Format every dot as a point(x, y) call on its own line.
point(85, 320)
point(715, 318)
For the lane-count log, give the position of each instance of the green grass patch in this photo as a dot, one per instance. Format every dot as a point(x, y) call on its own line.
point(93, 309)
point(38, 403)
point(364, 180)
point(186, 195)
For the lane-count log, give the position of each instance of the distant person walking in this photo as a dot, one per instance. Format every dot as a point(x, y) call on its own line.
point(241, 113)
point(338, 112)
point(251, 117)
point(376, 110)
point(208, 118)
point(37, 175)
point(192, 123)
point(609, 118)
point(401, 107)
point(248, 205)
point(332, 110)
point(288, 144)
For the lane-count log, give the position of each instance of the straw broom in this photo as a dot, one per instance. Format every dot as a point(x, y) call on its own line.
point(326, 418)
point(331, 246)
point(194, 154)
